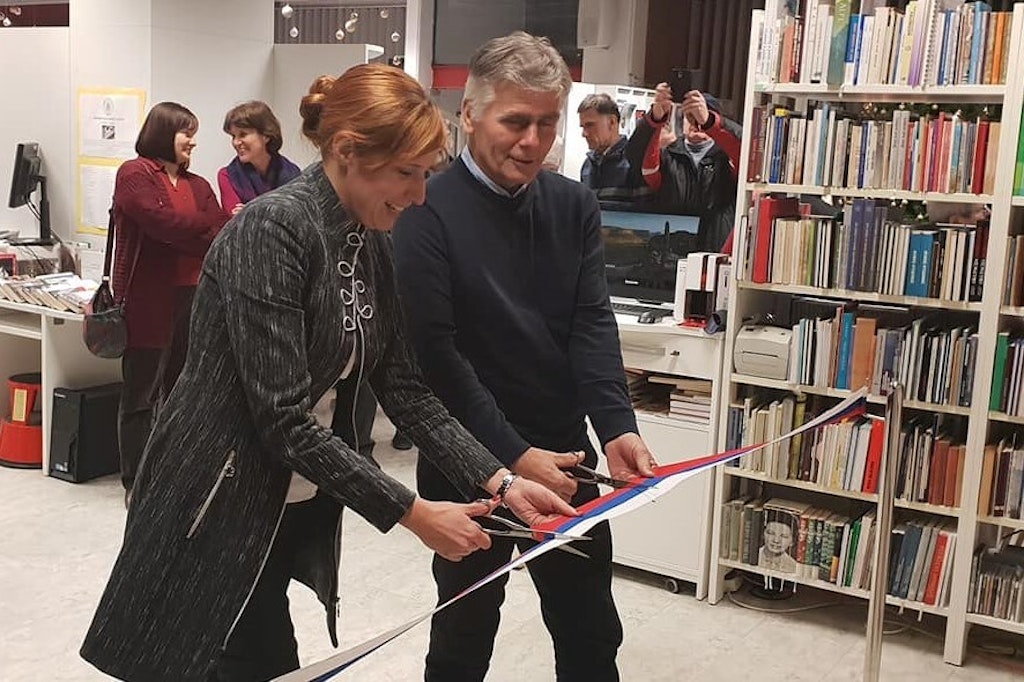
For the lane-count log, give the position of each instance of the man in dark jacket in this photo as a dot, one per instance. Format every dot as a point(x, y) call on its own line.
point(501, 275)
point(607, 170)
point(696, 174)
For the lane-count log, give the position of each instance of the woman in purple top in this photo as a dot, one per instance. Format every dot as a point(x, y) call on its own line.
point(258, 166)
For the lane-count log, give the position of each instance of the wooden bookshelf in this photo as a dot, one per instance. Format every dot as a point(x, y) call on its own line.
point(996, 623)
point(796, 483)
point(901, 604)
point(864, 296)
point(870, 193)
point(843, 393)
point(1005, 418)
point(887, 93)
point(1002, 521)
point(751, 298)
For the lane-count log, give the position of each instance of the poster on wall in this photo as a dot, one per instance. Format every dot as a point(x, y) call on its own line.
point(95, 191)
point(109, 121)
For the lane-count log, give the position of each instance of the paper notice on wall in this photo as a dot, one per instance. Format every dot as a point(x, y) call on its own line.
point(109, 122)
point(95, 192)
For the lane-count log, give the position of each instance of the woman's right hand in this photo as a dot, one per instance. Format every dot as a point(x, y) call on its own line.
point(662, 105)
point(448, 527)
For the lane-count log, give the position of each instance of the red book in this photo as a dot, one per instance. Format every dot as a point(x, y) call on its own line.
point(769, 208)
point(937, 480)
point(874, 463)
point(931, 589)
point(955, 475)
point(980, 147)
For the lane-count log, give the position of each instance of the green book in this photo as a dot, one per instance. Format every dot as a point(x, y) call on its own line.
point(999, 371)
point(837, 48)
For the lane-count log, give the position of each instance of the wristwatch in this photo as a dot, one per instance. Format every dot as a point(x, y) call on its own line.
point(506, 482)
point(708, 124)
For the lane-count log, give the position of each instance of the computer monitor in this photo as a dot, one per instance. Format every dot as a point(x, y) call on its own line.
point(26, 177)
point(641, 251)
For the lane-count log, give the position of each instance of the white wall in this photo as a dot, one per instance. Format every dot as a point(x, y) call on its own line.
point(34, 107)
point(210, 56)
point(622, 62)
point(295, 68)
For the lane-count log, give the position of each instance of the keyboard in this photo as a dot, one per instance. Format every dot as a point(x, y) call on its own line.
point(637, 308)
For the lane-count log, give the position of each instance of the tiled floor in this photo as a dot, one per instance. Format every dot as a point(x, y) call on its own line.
point(57, 543)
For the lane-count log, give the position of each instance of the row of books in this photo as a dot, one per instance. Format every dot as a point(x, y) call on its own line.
point(64, 291)
point(857, 42)
point(827, 146)
point(1013, 284)
point(1008, 376)
point(812, 543)
point(850, 351)
point(1002, 481)
point(842, 456)
point(866, 251)
point(930, 465)
point(793, 537)
point(997, 583)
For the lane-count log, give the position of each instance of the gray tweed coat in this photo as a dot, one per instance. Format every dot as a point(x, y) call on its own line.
point(288, 290)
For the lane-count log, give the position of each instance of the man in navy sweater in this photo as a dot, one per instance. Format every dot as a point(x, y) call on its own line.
point(501, 274)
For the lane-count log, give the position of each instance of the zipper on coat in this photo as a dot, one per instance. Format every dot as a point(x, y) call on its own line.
point(252, 588)
point(226, 471)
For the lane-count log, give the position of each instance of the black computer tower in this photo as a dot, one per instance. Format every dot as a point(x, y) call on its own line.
point(83, 432)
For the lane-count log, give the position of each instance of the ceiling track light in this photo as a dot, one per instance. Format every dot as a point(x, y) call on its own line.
point(287, 11)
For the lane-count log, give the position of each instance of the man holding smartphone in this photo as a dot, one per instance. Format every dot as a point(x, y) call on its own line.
point(695, 174)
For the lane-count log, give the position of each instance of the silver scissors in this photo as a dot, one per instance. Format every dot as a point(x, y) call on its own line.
point(517, 530)
point(587, 475)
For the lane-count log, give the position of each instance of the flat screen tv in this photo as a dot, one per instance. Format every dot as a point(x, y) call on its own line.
point(641, 251)
point(27, 175)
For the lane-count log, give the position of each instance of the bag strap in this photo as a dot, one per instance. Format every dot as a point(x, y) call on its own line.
point(107, 257)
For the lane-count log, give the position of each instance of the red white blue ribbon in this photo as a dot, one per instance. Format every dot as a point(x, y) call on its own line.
point(616, 503)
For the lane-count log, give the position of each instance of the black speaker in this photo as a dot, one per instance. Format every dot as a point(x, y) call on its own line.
point(83, 432)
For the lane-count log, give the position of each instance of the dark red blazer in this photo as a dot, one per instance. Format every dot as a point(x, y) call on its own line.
point(147, 222)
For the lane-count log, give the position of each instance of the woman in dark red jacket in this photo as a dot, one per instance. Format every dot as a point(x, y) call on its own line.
point(166, 219)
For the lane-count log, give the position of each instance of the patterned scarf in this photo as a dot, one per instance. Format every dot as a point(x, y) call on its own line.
point(249, 184)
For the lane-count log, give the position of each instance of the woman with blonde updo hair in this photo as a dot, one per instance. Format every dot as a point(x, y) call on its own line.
point(241, 487)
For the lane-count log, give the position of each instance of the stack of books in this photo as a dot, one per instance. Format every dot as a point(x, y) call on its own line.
point(64, 291)
point(1002, 481)
point(690, 399)
point(997, 583)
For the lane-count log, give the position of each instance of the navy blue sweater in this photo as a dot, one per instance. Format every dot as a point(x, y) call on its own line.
point(508, 310)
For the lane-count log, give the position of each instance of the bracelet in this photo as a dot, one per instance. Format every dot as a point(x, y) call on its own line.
point(506, 483)
point(710, 123)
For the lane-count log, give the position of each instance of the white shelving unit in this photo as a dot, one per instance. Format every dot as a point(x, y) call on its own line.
point(750, 298)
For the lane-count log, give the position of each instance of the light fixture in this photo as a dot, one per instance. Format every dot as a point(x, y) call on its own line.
point(385, 13)
point(294, 32)
point(353, 21)
point(5, 20)
point(396, 36)
point(339, 34)
point(287, 11)
point(14, 11)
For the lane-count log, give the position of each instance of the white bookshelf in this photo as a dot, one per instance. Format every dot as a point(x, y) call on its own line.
point(750, 298)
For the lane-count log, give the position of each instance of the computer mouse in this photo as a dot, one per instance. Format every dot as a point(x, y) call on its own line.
point(647, 317)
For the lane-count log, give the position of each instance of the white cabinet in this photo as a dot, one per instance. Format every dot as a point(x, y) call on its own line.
point(671, 536)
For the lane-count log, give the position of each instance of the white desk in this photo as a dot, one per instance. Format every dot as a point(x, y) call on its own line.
point(38, 339)
point(672, 536)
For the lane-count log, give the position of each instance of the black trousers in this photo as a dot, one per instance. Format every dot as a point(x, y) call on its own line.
point(148, 374)
point(262, 646)
point(139, 391)
point(575, 594)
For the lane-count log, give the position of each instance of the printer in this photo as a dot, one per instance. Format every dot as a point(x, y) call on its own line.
point(763, 351)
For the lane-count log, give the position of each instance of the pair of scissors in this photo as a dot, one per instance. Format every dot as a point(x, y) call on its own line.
point(585, 474)
point(517, 530)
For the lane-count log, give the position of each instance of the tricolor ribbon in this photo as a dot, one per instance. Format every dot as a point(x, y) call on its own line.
point(616, 503)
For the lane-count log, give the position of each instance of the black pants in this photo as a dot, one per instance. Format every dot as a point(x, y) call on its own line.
point(354, 424)
point(575, 594)
point(139, 390)
point(148, 374)
point(262, 646)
